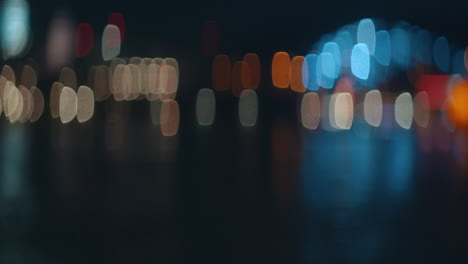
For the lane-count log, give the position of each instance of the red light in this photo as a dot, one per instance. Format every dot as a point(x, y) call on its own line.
point(118, 20)
point(435, 86)
point(84, 40)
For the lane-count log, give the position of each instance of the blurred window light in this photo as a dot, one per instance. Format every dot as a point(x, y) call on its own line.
point(366, 34)
point(118, 20)
point(310, 110)
point(297, 83)
point(333, 49)
point(422, 112)
point(309, 68)
point(38, 109)
point(325, 70)
point(441, 53)
point(169, 117)
point(252, 62)
point(401, 47)
point(84, 40)
point(110, 42)
point(281, 70)
point(373, 108)
point(383, 50)
point(205, 107)
point(360, 61)
point(15, 26)
point(221, 73)
point(248, 108)
point(67, 105)
point(404, 110)
point(54, 99)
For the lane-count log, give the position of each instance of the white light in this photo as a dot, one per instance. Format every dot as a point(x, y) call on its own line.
point(404, 110)
point(373, 108)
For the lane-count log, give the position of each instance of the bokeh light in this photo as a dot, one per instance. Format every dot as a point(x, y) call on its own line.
point(8, 73)
point(118, 20)
point(435, 86)
point(422, 112)
point(169, 117)
point(68, 77)
point(110, 42)
point(38, 109)
point(458, 62)
point(84, 40)
point(360, 61)
point(383, 50)
point(457, 105)
point(404, 110)
point(401, 45)
point(325, 70)
point(14, 27)
point(252, 62)
point(366, 34)
point(28, 77)
point(341, 111)
point(310, 110)
point(248, 108)
point(221, 73)
point(54, 99)
point(281, 70)
point(68, 105)
point(333, 49)
point(373, 108)
point(297, 83)
point(85, 104)
point(309, 69)
point(441, 53)
point(28, 104)
point(60, 42)
point(205, 107)
point(15, 104)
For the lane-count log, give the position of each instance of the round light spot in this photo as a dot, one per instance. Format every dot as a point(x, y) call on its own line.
point(118, 20)
point(173, 62)
point(221, 73)
point(126, 83)
point(169, 117)
point(281, 70)
point(110, 42)
point(456, 105)
point(155, 81)
point(85, 104)
point(7, 94)
point(118, 82)
point(297, 83)
point(38, 100)
point(135, 87)
point(68, 105)
point(422, 112)
point(310, 111)
point(14, 27)
point(335, 64)
point(309, 68)
point(360, 61)
point(28, 77)
point(60, 42)
point(366, 34)
point(248, 108)
point(373, 107)
point(404, 110)
point(205, 107)
point(55, 92)
point(68, 78)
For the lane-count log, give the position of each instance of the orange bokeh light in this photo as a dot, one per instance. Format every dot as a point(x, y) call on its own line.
point(281, 70)
point(297, 84)
point(457, 105)
point(251, 71)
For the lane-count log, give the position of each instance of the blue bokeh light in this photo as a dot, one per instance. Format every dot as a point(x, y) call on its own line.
point(325, 70)
point(441, 53)
point(401, 47)
point(333, 49)
point(366, 34)
point(309, 67)
point(383, 50)
point(14, 35)
point(360, 61)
